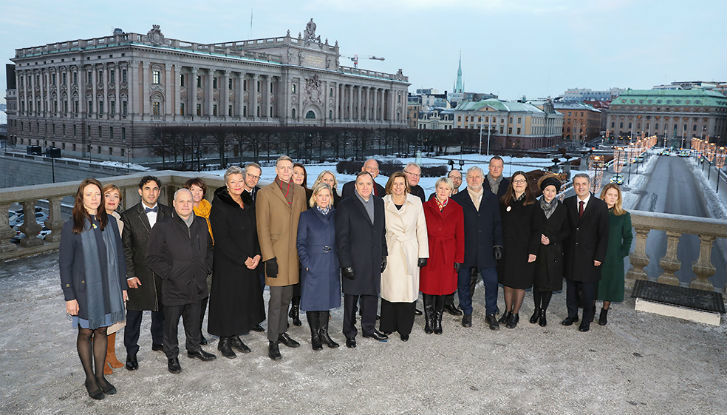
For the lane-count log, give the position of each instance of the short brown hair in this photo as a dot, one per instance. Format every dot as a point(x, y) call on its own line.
point(390, 183)
point(197, 182)
point(112, 186)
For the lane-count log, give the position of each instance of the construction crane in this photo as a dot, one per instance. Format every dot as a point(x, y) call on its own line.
point(354, 59)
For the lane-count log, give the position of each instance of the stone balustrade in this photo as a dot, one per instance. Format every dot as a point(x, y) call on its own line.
point(708, 230)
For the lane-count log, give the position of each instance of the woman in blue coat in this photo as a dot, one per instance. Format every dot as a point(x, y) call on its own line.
point(320, 281)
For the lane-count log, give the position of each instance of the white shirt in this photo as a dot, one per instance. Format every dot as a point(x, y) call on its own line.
point(152, 216)
point(585, 202)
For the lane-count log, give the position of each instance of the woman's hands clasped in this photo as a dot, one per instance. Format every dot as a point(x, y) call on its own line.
point(252, 263)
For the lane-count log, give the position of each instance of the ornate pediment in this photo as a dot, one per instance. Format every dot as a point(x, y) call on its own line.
point(155, 35)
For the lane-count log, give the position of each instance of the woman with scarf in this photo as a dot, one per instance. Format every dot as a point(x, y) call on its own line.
point(320, 280)
point(551, 227)
point(520, 246)
point(445, 232)
point(93, 280)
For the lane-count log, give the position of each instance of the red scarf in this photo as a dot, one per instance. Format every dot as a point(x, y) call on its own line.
point(441, 205)
point(286, 189)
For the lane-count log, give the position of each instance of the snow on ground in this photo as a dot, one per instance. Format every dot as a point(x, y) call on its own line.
point(631, 191)
point(716, 203)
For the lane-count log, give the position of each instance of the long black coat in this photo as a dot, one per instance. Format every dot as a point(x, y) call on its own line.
point(549, 265)
point(136, 242)
point(350, 187)
point(588, 239)
point(519, 241)
point(182, 258)
point(482, 229)
point(236, 302)
point(361, 244)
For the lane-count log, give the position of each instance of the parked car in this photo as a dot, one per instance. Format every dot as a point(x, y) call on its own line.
point(618, 179)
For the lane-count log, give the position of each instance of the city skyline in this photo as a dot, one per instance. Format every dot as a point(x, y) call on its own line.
point(531, 48)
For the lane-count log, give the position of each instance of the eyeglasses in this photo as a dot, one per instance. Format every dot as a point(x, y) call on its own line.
point(413, 174)
point(520, 181)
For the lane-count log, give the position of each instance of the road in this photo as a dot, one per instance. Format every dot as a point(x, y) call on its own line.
point(672, 188)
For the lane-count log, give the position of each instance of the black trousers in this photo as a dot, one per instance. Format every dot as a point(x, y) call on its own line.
point(397, 317)
point(190, 317)
point(133, 329)
point(369, 305)
point(588, 292)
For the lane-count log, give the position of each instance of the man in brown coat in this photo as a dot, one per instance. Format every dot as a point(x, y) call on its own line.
point(277, 209)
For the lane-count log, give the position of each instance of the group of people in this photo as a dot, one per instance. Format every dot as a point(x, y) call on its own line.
point(311, 246)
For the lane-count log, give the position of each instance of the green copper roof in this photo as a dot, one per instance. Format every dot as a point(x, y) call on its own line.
point(497, 105)
point(672, 97)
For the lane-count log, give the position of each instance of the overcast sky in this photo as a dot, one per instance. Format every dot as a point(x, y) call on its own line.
point(535, 48)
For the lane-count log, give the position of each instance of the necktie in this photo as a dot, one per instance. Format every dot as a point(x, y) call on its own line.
point(156, 208)
point(580, 209)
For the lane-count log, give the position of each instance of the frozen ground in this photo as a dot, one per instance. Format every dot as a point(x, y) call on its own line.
point(637, 364)
point(716, 202)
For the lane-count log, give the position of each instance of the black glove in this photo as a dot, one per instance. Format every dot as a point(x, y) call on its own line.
point(498, 252)
point(347, 272)
point(422, 262)
point(271, 268)
point(383, 264)
point(456, 266)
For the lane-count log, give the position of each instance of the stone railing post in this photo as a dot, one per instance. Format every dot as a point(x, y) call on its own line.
point(30, 226)
point(6, 232)
point(670, 263)
point(55, 221)
point(639, 260)
point(703, 268)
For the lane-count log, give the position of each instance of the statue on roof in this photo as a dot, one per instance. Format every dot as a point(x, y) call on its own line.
point(310, 31)
point(155, 35)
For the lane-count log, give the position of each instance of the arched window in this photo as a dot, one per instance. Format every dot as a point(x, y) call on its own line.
point(310, 115)
point(292, 113)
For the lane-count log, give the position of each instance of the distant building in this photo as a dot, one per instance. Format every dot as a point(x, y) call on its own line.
point(436, 119)
point(459, 95)
point(689, 85)
point(581, 122)
point(677, 115)
point(585, 94)
point(413, 106)
point(512, 125)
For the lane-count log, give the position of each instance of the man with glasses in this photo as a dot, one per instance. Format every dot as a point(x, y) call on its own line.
point(371, 166)
point(413, 173)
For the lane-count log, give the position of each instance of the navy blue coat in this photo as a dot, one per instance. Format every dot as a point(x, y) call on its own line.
point(482, 229)
point(361, 244)
point(320, 281)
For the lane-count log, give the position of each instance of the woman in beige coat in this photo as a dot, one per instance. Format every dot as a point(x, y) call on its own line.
point(408, 248)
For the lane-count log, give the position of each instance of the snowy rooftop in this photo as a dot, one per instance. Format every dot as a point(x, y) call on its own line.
point(638, 363)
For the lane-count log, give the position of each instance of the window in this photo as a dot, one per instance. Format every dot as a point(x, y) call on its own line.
point(244, 111)
point(519, 120)
point(88, 133)
point(64, 129)
point(509, 130)
point(112, 108)
point(75, 77)
point(214, 110)
point(181, 108)
point(111, 151)
point(214, 82)
point(100, 75)
point(229, 110)
point(229, 83)
point(124, 107)
point(156, 77)
point(89, 77)
point(122, 152)
point(65, 107)
point(90, 106)
point(330, 92)
point(199, 81)
point(111, 133)
point(292, 88)
point(100, 108)
point(99, 132)
point(310, 115)
point(258, 86)
point(181, 80)
point(330, 114)
point(74, 147)
point(258, 110)
point(244, 85)
point(74, 134)
point(518, 130)
point(98, 149)
point(123, 76)
point(271, 87)
point(199, 109)
point(53, 79)
point(270, 112)
point(123, 133)
point(112, 75)
point(155, 108)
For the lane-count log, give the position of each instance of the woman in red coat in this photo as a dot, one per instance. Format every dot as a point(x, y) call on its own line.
point(445, 230)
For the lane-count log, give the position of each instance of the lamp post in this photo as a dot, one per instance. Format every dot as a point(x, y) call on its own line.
point(618, 153)
point(597, 165)
point(629, 154)
point(720, 158)
point(710, 158)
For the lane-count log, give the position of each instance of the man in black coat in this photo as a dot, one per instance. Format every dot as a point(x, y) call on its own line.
point(372, 167)
point(180, 253)
point(251, 177)
point(361, 246)
point(494, 182)
point(585, 249)
point(482, 245)
point(144, 286)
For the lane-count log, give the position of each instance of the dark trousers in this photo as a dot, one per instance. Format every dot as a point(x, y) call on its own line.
point(397, 317)
point(369, 304)
point(278, 311)
point(489, 279)
point(202, 309)
point(133, 329)
point(261, 275)
point(588, 292)
point(190, 317)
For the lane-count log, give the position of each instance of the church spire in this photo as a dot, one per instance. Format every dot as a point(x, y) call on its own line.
point(459, 87)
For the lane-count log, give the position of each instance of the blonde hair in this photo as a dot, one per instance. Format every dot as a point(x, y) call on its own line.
point(618, 209)
point(317, 189)
point(319, 179)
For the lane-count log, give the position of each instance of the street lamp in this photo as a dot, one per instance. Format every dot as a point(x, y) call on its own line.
point(618, 153)
point(720, 163)
point(711, 150)
point(597, 165)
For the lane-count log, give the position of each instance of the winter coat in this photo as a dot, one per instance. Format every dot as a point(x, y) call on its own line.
point(182, 258)
point(549, 265)
point(277, 229)
point(361, 244)
point(406, 242)
point(588, 239)
point(482, 229)
point(501, 190)
point(136, 241)
point(620, 236)
point(519, 241)
point(320, 273)
point(445, 231)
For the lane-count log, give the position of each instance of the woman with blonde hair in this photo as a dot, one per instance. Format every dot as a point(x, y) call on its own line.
point(327, 177)
point(611, 284)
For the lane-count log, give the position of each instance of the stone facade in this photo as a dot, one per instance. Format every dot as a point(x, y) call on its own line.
point(105, 95)
point(581, 122)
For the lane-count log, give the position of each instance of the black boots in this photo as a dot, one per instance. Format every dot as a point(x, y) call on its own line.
point(505, 317)
point(295, 311)
point(274, 351)
point(534, 317)
point(237, 344)
point(314, 323)
point(225, 347)
point(603, 318)
point(429, 313)
point(450, 307)
point(512, 320)
point(542, 322)
point(323, 317)
point(438, 311)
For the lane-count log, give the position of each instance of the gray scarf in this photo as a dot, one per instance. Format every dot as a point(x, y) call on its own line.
point(103, 291)
point(548, 208)
point(494, 183)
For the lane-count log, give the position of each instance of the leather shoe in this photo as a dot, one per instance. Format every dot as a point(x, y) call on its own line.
point(96, 394)
point(173, 365)
point(467, 320)
point(512, 321)
point(238, 345)
point(225, 347)
point(274, 351)
point(534, 317)
point(449, 308)
point(568, 321)
point(286, 340)
point(584, 326)
point(201, 355)
point(417, 312)
point(351, 343)
point(203, 341)
point(106, 387)
point(157, 347)
point(404, 337)
point(257, 328)
point(492, 322)
point(131, 362)
point(377, 335)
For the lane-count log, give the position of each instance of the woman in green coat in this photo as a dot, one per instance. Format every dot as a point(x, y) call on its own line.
point(611, 285)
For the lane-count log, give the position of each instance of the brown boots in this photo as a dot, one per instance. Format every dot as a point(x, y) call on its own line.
point(111, 360)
